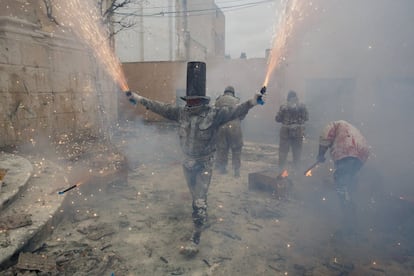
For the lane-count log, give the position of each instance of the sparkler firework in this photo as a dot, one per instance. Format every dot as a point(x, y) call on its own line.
point(84, 19)
point(67, 189)
point(291, 14)
point(308, 172)
point(70, 188)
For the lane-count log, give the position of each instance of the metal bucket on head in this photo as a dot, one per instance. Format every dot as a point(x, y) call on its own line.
point(196, 79)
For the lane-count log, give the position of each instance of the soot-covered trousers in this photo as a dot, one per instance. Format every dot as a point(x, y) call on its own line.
point(290, 138)
point(229, 138)
point(198, 176)
point(345, 177)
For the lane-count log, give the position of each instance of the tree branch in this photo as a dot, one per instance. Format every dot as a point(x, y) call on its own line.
point(48, 6)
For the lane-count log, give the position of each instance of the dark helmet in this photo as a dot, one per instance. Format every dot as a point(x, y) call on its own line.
point(229, 89)
point(292, 94)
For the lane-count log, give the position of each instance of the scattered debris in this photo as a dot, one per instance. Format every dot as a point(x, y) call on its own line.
point(39, 262)
point(4, 239)
point(274, 268)
point(97, 231)
point(163, 259)
point(228, 234)
point(105, 246)
point(377, 269)
point(15, 221)
point(83, 213)
point(342, 267)
point(42, 247)
point(264, 212)
point(206, 262)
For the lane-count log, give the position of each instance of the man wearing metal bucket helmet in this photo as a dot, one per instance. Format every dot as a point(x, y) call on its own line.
point(198, 127)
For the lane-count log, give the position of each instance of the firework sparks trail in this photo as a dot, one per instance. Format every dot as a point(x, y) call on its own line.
point(84, 19)
point(292, 12)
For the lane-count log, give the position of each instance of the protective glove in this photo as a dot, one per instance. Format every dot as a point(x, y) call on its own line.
point(258, 98)
point(133, 97)
point(321, 153)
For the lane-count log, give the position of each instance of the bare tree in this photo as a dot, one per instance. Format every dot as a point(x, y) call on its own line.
point(111, 14)
point(49, 12)
point(109, 9)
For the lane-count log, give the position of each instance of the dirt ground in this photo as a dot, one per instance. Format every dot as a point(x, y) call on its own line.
point(138, 227)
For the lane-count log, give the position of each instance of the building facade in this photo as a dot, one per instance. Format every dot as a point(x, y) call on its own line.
point(173, 30)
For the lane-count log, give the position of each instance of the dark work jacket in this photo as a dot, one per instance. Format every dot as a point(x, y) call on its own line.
point(198, 130)
point(232, 130)
point(293, 118)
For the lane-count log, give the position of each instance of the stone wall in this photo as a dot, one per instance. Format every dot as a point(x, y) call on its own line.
point(50, 83)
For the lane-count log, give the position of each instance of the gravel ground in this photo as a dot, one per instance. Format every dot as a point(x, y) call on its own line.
point(137, 226)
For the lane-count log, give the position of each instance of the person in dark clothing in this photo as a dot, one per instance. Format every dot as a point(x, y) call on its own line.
point(293, 116)
point(230, 135)
point(198, 128)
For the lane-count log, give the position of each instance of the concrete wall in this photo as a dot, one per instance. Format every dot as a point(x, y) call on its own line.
point(159, 81)
point(206, 30)
point(50, 83)
point(152, 37)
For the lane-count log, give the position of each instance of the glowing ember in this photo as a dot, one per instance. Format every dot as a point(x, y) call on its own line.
point(85, 20)
point(308, 173)
point(291, 14)
point(284, 174)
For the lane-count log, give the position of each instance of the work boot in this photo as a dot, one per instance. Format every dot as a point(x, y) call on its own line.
point(195, 237)
point(191, 248)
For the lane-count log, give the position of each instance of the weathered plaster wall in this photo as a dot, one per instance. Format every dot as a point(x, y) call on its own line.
point(50, 84)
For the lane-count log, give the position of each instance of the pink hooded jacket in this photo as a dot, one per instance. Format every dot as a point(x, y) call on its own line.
point(344, 140)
